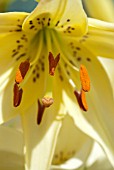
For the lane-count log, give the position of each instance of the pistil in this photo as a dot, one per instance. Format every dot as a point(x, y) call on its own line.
point(46, 102)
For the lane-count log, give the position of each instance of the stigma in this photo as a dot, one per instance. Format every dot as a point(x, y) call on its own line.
point(47, 101)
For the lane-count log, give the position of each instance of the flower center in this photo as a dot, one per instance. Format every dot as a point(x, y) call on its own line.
point(20, 75)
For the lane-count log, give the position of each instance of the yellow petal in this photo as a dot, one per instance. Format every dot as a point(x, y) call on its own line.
point(11, 21)
point(66, 16)
point(103, 10)
point(99, 39)
point(101, 24)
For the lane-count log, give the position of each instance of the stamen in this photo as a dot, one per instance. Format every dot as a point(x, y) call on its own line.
point(84, 77)
point(17, 95)
point(41, 109)
point(53, 63)
point(81, 100)
point(47, 101)
point(21, 72)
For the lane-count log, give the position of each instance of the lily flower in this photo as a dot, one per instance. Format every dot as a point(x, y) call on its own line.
point(104, 10)
point(47, 60)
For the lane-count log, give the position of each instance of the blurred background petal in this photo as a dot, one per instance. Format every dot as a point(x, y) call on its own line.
point(102, 9)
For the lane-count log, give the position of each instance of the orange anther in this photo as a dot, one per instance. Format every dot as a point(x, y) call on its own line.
point(53, 63)
point(21, 72)
point(17, 95)
point(84, 77)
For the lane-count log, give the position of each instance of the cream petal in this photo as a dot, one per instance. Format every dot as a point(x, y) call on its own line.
point(101, 24)
point(108, 66)
point(40, 139)
point(104, 10)
point(97, 42)
point(57, 14)
point(99, 39)
point(11, 149)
